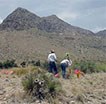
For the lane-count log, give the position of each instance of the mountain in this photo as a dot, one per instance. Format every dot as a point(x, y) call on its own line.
point(101, 33)
point(53, 24)
point(40, 34)
point(20, 19)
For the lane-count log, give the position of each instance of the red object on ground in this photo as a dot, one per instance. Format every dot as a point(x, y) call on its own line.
point(4, 71)
point(56, 75)
point(77, 71)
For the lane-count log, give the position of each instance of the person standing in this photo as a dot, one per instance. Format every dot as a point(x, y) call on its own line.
point(65, 64)
point(52, 62)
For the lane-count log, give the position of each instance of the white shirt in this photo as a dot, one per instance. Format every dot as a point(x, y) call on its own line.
point(67, 62)
point(52, 57)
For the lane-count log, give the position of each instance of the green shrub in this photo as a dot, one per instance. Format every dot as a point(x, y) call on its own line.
point(52, 83)
point(54, 88)
point(38, 63)
point(41, 85)
point(88, 66)
point(100, 67)
point(28, 83)
point(45, 65)
point(9, 64)
point(85, 66)
point(34, 63)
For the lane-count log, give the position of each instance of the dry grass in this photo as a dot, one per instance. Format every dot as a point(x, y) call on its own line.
point(89, 83)
point(29, 69)
point(93, 84)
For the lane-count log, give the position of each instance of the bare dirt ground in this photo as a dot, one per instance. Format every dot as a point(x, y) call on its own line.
point(90, 89)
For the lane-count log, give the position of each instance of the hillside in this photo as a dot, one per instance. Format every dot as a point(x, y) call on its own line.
point(26, 36)
point(86, 90)
point(35, 44)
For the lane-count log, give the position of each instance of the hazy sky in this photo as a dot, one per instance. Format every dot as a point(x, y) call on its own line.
point(88, 14)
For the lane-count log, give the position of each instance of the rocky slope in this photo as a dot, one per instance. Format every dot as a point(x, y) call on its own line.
point(53, 24)
point(101, 33)
point(34, 44)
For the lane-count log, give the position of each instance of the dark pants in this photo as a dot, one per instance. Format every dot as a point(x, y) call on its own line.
point(63, 67)
point(52, 67)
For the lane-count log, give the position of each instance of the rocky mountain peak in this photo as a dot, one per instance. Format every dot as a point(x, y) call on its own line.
point(52, 17)
point(19, 9)
point(53, 24)
point(20, 19)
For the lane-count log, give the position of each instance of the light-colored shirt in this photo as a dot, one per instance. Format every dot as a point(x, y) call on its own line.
point(67, 62)
point(52, 57)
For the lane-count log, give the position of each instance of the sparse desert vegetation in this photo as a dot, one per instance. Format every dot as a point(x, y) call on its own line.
point(25, 41)
point(33, 85)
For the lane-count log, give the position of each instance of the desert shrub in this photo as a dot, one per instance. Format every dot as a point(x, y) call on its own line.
point(52, 83)
point(85, 66)
point(28, 83)
point(23, 64)
point(54, 87)
point(31, 62)
point(6, 64)
point(41, 85)
point(9, 64)
point(45, 65)
point(34, 63)
point(76, 65)
point(38, 63)
point(100, 67)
